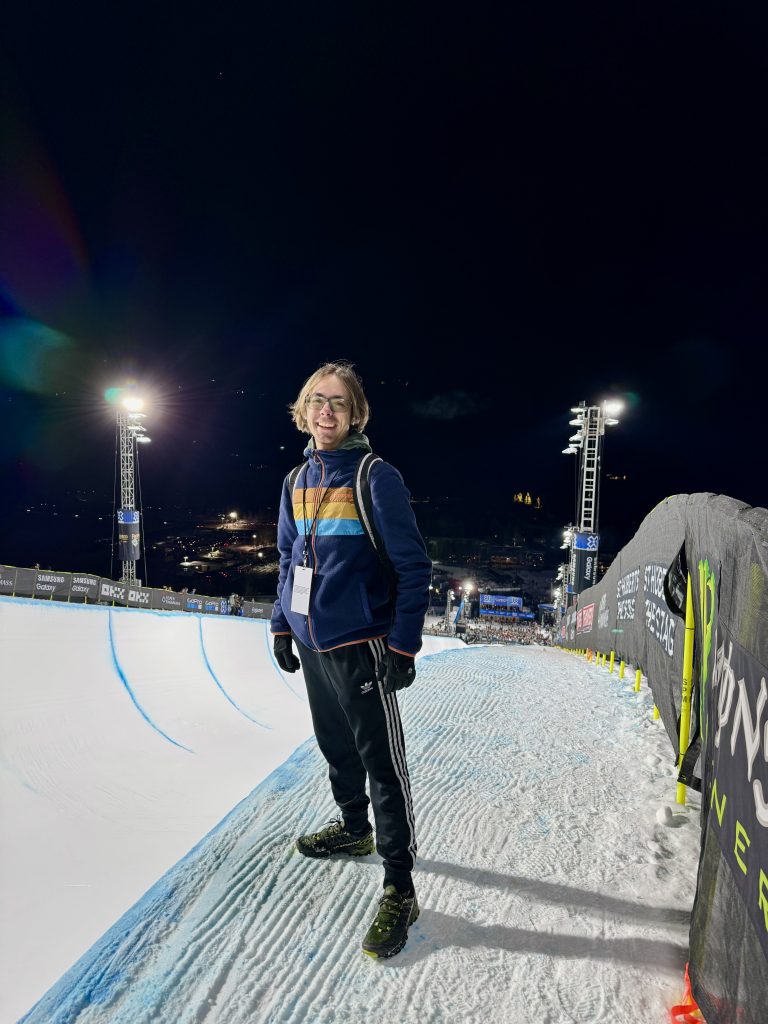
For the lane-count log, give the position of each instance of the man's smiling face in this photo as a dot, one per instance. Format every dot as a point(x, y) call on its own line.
point(329, 425)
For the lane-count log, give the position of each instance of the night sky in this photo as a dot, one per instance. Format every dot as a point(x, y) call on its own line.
point(494, 215)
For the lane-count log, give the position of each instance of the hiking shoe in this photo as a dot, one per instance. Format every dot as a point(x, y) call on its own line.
point(389, 931)
point(335, 838)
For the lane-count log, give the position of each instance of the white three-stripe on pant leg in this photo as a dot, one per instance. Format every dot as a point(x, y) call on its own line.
point(396, 745)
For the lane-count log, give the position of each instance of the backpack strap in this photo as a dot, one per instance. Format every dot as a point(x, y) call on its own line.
point(361, 494)
point(294, 475)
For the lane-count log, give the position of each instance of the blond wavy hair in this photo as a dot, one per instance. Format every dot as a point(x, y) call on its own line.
point(360, 411)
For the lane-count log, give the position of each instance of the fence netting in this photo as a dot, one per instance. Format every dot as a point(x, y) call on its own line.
point(637, 610)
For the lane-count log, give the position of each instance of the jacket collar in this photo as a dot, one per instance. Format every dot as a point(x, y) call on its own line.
point(355, 443)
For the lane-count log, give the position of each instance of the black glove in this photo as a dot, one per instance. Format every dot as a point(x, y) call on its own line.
point(284, 655)
point(395, 671)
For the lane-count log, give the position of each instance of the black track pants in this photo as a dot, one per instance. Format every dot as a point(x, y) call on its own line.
point(359, 733)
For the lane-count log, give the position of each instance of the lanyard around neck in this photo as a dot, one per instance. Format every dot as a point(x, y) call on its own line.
point(312, 531)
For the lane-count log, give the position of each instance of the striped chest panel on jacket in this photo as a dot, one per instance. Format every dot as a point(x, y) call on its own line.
point(336, 516)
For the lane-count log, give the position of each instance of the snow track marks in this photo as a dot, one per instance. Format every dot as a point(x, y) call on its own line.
point(532, 852)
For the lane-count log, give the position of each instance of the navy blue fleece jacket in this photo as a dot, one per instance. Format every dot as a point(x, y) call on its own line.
point(350, 599)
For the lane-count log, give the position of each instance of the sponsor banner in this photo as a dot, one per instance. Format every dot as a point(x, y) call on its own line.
point(167, 600)
point(570, 626)
point(139, 597)
point(499, 601)
point(128, 535)
point(256, 611)
point(84, 588)
point(113, 593)
point(584, 541)
point(81, 587)
point(25, 582)
point(585, 566)
point(584, 619)
point(498, 613)
point(626, 596)
point(660, 623)
point(52, 584)
point(603, 613)
point(739, 780)
point(7, 579)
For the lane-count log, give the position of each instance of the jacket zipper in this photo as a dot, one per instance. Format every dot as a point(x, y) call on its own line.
point(318, 492)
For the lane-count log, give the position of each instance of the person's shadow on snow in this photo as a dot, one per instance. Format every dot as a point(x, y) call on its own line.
point(436, 930)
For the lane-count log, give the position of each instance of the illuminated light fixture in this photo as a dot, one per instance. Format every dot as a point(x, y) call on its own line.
point(133, 403)
point(575, 438)
point(611, 422)
point(575, 423)
point(233, 515)
point(570, 450)
point(144, 440)
point(613, 408)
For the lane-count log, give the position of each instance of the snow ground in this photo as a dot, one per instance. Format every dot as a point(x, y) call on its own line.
point(556, 875)
point(125, 736)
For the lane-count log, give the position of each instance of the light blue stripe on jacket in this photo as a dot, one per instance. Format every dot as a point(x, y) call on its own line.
point(331, 527)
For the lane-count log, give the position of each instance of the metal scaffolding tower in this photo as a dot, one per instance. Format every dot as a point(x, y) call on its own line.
point(582, 540)
point(130, 431)
point(592, 432)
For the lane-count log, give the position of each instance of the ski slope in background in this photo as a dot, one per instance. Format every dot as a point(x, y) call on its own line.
point(555, 873)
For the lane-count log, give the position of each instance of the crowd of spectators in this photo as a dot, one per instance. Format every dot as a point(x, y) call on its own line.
point(485, 631)
point(479, 632)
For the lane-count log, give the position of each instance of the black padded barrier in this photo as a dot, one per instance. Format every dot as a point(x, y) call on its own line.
point(636, 611)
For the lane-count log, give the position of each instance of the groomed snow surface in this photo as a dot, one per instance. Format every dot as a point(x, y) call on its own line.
point(556, 874)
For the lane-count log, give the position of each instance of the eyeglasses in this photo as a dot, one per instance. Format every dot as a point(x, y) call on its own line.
point(336, 404)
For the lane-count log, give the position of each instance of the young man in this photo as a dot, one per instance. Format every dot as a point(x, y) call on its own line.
point(357, 634)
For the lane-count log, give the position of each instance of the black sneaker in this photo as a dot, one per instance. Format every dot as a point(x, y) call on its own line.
point(335, 838)
point(389, 931)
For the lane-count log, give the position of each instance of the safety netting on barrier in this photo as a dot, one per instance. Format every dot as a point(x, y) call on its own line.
point(638, 611)
point(85, 588)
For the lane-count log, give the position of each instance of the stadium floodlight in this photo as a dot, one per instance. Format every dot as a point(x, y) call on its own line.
point(233, 516)
point(575, 439)
point(613, 408)
point(128, 404)
point(468, 587)
point(575, 423)
point(611, 421)
point(570, 450)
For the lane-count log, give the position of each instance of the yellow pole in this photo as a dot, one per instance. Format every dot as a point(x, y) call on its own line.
point(613, 655)
point(621, 669)
point(638, 677)
point(685, 706)
point(604, 657)
point(656, 713)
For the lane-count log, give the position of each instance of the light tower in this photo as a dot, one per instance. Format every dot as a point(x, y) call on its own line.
point(130, 433)
point(583, 538)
